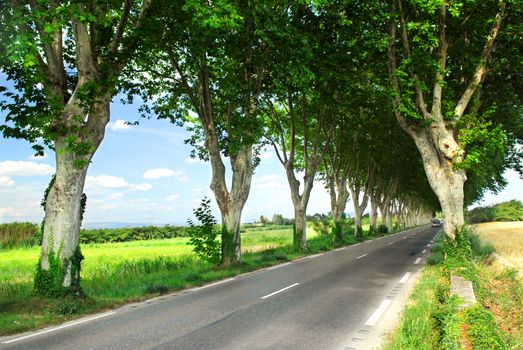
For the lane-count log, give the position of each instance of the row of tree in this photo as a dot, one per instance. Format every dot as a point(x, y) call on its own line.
point(393, 103)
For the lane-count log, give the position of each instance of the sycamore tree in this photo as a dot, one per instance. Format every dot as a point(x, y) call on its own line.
point(63, 61)
point(300, 104)
point(210, 77)
point(440, 54)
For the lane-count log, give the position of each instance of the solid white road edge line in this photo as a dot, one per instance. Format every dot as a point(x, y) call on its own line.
point(60, 327)
point(279, 291)
point(214, 284)
point(417, 261)
point(361, 256)
point(405, 278)
point(378, 313)
point(278, 266)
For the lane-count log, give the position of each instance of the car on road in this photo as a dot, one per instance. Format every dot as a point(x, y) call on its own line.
point(437, 223)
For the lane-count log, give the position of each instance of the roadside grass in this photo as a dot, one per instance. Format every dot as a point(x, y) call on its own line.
point(432, 319)
point(418, 329)
point(117, 273)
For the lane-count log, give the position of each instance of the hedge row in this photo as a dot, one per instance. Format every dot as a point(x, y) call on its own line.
point(131, 234)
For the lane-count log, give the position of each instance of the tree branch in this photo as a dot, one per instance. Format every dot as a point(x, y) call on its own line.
point(481, 68)
point(443, 45)
point(126, 10)
point(405, 39)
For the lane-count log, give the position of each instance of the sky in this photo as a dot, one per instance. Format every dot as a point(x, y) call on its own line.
point(144, 174)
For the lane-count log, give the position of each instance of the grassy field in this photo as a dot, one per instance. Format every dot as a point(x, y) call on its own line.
point(507, 239)
point(117, 273)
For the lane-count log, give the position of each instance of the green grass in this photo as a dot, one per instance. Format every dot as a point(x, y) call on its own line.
point(118, 273)
point(432, 319)
point(418, 329)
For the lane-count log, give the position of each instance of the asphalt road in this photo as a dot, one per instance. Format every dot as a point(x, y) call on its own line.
point(317, 302)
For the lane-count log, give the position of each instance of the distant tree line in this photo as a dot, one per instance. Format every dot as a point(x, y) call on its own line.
point(507, 211)
point(18, 234)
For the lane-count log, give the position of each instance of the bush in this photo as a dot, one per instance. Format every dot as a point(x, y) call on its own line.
point(156, 289)
point(204, 237)
point(480, 249)
point(435, 258)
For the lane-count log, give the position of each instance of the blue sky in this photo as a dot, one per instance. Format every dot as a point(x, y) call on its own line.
point(144, 174)
point(140, 174)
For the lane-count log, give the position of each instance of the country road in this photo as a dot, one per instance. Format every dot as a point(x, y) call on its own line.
point(326, 301)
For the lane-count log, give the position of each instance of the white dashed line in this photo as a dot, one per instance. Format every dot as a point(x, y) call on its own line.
point(361, 256)
point(405, 278)
point(428, 245)
point(279, 291)
point(418, 260)
point(374, 318)
point(424, 251)
point(390, 243)
point(61, 327)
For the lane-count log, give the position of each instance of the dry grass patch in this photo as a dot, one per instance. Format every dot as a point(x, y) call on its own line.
point(507, 239)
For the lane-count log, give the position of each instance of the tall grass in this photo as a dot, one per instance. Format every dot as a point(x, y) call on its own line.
point(19, 233)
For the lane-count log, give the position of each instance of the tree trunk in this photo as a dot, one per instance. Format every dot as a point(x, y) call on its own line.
point(373, 214)
point(300, 228)
point(389, 220)
point(358, 208)
point(383, 212)
point(231, 240)
point(58, 272)
point(231, 203)
point(357, 222)
point(61, 229)
point(339, 197)
point(446, 181)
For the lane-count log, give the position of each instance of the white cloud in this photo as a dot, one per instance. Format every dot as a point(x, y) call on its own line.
point(6, 181)
point(119, 124)
point(21, 168)
point(194, 160)
point(140, 187)
point(157, 173)
point(266, 155)
point(105, 182)
point(6, 211)
point(172, 198)
point(108, 182)
point(114, 196)
point(270, 182)
point(154, 174)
